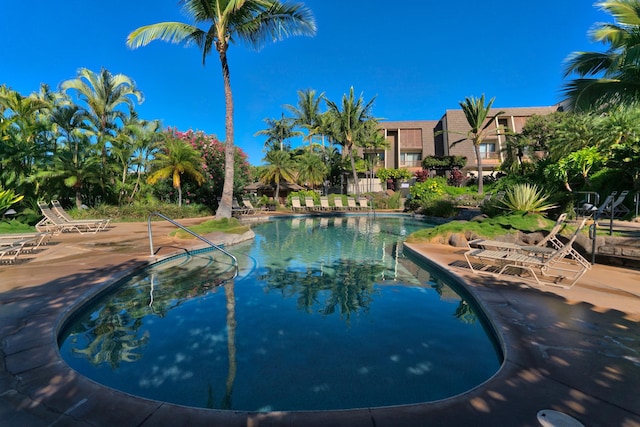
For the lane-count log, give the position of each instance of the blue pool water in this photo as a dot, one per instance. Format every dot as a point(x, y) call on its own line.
point(326, 313)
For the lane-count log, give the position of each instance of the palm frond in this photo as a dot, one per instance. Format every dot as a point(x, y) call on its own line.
point(586, 94)
point(173, 32)
point(589, 63)
point(256, 24)
point(626, 12)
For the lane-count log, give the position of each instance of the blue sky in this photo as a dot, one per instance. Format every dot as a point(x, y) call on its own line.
point(417, 58)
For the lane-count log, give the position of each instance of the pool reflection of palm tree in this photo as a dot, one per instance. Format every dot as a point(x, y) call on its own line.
point(347, 284)
point(112, 338)
point(111, 333)
point(229, 292)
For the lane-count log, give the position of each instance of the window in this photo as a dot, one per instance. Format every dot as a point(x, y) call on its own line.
point(488, 151)
point(410, 159)
point(504, 125)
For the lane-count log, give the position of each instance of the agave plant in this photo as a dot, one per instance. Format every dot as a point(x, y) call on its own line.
point(8, 198)
point(526, 198)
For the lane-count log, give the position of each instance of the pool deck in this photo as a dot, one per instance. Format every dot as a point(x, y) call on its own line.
point(576, 351)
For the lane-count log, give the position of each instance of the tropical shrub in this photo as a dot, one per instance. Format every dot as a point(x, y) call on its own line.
point(421, 175)
point(428, 190)
point(141, 210)
point(212, 151)
point(385, 201)
point(456, 179)
point(441, 208)
point(385, 174)
point(444, 163)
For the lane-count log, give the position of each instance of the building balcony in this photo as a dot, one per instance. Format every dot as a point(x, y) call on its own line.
point(411, 164)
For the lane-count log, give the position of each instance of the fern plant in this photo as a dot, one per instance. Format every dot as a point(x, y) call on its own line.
point(526, 198)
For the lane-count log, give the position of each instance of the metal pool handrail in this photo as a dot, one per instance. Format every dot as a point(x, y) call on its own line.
point(196, 235)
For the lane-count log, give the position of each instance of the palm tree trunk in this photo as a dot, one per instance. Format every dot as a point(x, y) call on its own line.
point(479, 164)
point(224, 209)
point(355, 174)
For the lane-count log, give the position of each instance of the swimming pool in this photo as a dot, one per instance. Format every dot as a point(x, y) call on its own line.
point(326, 313)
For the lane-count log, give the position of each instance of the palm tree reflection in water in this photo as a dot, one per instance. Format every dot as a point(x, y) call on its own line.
point(345, 285)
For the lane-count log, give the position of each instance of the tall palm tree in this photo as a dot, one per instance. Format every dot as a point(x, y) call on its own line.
point(279, 166)
point(476, 112)
point(75, 159)
point(277, 132)
point(252, 21)
point(103, 95)
point(147, 143)
point(611, 77)
point(76, 169)
point(349, 125)
point(307, 113)
point(178, 158)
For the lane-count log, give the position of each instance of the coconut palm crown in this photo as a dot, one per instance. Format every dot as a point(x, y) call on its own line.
point(612, 77)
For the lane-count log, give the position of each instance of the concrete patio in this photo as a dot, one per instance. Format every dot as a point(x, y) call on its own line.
point(576, 351)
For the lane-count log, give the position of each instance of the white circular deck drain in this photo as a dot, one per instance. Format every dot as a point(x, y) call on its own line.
point(551, 418)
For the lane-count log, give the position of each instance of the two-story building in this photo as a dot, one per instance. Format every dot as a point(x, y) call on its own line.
point(411, 141)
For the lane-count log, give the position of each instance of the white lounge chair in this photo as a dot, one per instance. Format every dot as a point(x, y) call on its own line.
point(364, 203)
point(9, 253)
point(57, 208)
point(309, 203)
point(545, 246)
point(295, 204)
point(236, 209)
point(351, 203)
point(337, 204)
point(33, 240)
point(324, 203)
point(247, 204)
point(52, 223)
point(548, 268)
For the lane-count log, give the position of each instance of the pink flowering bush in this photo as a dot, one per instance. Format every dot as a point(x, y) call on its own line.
point(212, 151)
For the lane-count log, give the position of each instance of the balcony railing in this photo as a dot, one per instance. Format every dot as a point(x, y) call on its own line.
point(491, 155)
point(411, 163)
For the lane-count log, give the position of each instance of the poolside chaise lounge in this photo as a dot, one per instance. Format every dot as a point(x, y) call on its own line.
point(364, 203)
point(9, 253)
point(324, 203)
point(617, 208)
point(236, 209)
point(52, 223)
point(247, 204)
point(545, 246)
point(612, 207)
point(309, 204)
point(351, 203)
point(546, 267)
point(337, 204)
point(295, 204)
point(57, 208)
point(33, 240)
